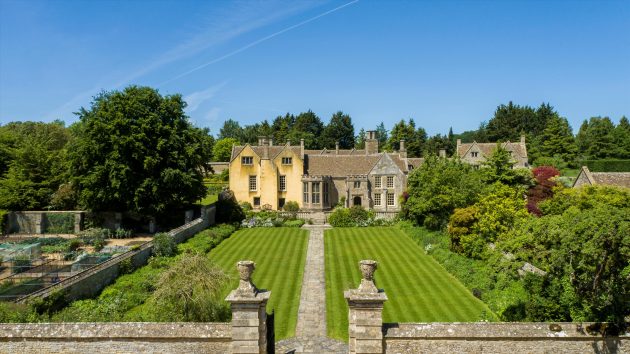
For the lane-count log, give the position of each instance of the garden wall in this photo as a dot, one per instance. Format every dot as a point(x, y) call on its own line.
point(90, 282)
point(40, 222)
point(116, 338)
point(499, 338)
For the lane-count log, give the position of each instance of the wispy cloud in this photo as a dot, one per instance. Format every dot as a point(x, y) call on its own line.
point(254, 43)
point(195, 99)
point(238, 19)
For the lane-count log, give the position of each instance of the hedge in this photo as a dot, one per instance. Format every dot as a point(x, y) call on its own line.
point(607, 165)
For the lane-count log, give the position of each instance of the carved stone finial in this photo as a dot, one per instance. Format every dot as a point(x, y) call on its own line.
point(368, 267)
point(245, 286)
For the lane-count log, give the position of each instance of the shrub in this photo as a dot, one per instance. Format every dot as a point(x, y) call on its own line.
point(607, 165)
point(246, 206)
point(291, 206)
point(125, 267)
point(59, 223)
point(294, 223)
point(163, 245)
point(20, 264)
point(74, 245)
point(340, 217)
point(122, 233)
point(3, 221)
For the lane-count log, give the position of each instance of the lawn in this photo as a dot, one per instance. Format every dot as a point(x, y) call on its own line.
point(419, 289)
point(279, 254)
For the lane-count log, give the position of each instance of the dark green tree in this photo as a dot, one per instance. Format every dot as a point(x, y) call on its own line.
point(621, 138)
point(381, 134)
point(339, 129)
point(222, 150)
point(498, 167)
point(281, 128)
point(35, 154)
point(138, 152)
point(307, 126)
point(359, 141)
point(596, 138)
point(557, 140)
point(415, 139)
point(231, 129)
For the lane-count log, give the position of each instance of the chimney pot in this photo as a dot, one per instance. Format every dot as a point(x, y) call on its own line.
point(442, 152)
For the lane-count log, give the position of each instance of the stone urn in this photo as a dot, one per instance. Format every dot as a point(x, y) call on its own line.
point(368, 267)
point(245, 271)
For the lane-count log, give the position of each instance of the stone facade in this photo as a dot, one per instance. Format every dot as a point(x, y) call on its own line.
point(268, 176)
point(476, 153)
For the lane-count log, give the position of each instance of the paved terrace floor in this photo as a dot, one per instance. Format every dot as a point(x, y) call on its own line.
point(310, 333)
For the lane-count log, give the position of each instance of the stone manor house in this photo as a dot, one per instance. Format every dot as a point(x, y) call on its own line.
point(268, 175)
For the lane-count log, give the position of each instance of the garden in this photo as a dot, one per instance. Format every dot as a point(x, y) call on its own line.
point(419, 289)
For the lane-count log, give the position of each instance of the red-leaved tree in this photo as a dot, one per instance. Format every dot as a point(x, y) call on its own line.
point(543, 189)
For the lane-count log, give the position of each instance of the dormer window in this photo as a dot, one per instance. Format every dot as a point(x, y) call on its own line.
point(474, 154)
point(247, 160)
point(287, 160)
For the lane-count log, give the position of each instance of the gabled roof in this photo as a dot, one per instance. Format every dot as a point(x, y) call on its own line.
point(486, 149)
point(340, 165)
point(619, 179)
point(259, 150)
point(415, 161)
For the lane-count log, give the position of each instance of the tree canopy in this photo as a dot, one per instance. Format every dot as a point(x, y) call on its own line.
point(339, 129)
point(138, 152)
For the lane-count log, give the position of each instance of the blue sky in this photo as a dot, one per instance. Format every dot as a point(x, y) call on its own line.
point(443, 63)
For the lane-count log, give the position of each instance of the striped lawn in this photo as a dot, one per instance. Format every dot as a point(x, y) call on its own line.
point(279, 254)
point(419, 289)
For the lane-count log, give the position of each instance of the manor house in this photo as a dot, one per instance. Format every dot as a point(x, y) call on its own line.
point(268, 175)
point(476, 153)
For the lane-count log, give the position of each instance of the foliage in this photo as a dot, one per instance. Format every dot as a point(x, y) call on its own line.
point(190, 290)
point(307, 126)
point(415, 138)
point(59, 223)
point(607, 165)
point(586, 251)
point(294, 223)
point(137, 151)
point(17, 313)
point(231, 129)
point(246, 206)
point(545, 183)
point(557, 140)
point(406, 272)
point(291, 206)
point(3, 221)
point(32, 163)
point(73, 245)
point(437, 187)
point(122, 234)
point(228, 209)
point(586, 197)
point(596, 140)
point(340, 129)
point(164, 245)
point(20, 264)
point(499, 167)
point(222, 150)
point(355, 216)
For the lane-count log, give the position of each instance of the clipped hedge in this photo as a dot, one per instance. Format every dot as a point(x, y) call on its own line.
point(607, 165)
point(3, 218)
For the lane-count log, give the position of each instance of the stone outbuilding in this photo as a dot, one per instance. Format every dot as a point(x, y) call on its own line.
point(588, 178)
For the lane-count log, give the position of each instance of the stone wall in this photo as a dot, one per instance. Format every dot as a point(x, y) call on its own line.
point(500, 338)
point(115, 338)
point(36, 222)
point(91, 282)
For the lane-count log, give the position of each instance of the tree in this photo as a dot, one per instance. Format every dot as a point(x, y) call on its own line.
point(543, 190)
point(596, 139)
point(35, 154)
point(359, 141)
point(499, 168)
point(557, 140)
point(138, 152)
point(253, 131)
point(381, 134)
point(436, 188)
point(415, 139)
point(231, 129)
point(281, 128)
point(307, 126)
point(339, 129)
point(222, 150)
point(621, 138)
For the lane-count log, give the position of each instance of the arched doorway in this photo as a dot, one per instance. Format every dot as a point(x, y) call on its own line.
point(356, 201)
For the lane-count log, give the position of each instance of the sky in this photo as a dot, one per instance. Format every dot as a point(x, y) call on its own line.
point(442, 63)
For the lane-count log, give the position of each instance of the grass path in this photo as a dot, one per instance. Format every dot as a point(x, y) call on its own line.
point(419, 288)
point(280, 255)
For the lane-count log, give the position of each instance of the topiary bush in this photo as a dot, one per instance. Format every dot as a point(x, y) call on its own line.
point(294, 223)
point(164, 245)
point(291, 206)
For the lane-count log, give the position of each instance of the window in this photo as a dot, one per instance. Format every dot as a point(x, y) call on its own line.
point(305, 192)
point(283, 183)
point(252, 183)
point(247, 160)
point(281, 202)
point(377, 199)
point(377, 182)
point(390, 181)
point(410, 167)
point(315, 194)
point(326, 193)
point(474, 154)
point(256, 202)
point(287, 160)
point(390, 199)
point(357, 184)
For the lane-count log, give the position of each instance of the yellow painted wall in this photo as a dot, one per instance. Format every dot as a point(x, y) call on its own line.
point(267, 172)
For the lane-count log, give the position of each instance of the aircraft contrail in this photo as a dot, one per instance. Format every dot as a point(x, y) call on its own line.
point(258, 42)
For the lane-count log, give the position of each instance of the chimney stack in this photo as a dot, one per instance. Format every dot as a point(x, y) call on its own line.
point(371, 143)
point(459, 142)
point(402, 151)
point(522, 139)
point(270, 141)
point(442, 152)
point(337, 148)
point(302, 148)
